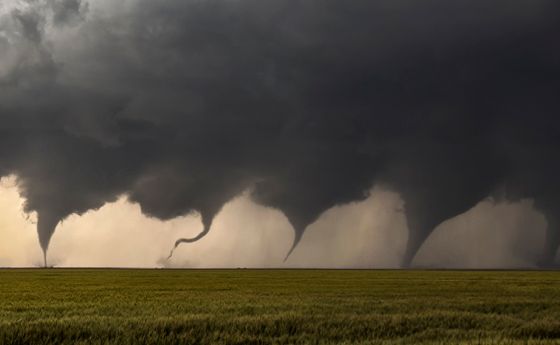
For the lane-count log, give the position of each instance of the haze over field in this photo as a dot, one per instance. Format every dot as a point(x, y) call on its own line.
point(370, 234)
point(357, 134)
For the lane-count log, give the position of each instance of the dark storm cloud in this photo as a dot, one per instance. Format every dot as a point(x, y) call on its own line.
point(68, 11)
point(182, 105)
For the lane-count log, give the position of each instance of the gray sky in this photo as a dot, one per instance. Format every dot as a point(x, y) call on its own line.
point(290, 113)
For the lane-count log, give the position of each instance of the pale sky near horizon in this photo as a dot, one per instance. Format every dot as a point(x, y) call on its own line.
point(362, 235)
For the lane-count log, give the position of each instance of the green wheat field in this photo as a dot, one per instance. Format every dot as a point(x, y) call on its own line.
point(97, 306)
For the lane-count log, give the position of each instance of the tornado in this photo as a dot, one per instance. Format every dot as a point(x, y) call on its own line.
point(298, 234)
point(46, 225)
point(206, 224)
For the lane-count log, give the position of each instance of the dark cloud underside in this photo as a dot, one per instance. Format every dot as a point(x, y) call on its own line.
point(182, 105)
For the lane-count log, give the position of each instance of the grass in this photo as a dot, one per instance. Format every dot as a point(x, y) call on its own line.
point(73, 306)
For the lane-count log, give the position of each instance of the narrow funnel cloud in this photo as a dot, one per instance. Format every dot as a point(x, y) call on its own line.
point(206, 223)
point(297, 238)
point(46, 225)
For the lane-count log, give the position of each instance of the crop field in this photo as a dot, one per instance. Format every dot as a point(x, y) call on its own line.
point(95, 306)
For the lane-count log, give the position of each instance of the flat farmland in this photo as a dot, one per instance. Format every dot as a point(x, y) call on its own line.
point(119, 306)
